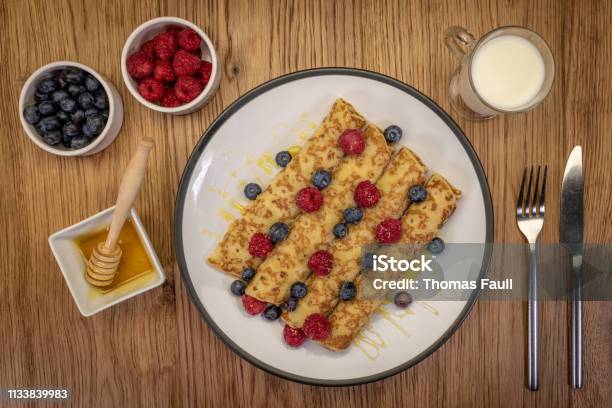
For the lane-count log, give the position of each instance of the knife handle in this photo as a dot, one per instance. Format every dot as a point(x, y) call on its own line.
point(576, 374)
point(533, 354)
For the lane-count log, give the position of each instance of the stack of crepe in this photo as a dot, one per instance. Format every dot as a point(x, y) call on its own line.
point(392, 172)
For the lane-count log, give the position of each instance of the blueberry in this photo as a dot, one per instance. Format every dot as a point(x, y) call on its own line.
point(100, 100)
point(59, 95)
point(63, 116)
point(247, 274)
point(60, 81)
point(238, 287)
point(47, 108)
point(402, 299)
point(75, 90)
point(278, 232)
point(73, 76)
point(68, 105)
point(348, 291)
point(46, 86)
point(283, 158)
point(91, 111)
point(71, 129)
point(77, 116)
point(436, 246)
point(299, 290)
point(321, 179)
point(393, 134)
point(52, 138)
point(95, 125)
point(290, 304)
point(367, 261)
point(88, 131)
point(104, 113)
point(252, 190)
point(49, 123)
point(91, 83)
point(417, 193)
point(40, 97)
point(79, 142)
point(340, 230)
point(66, 139)
point(31, 114)
point(86, 100)
point(272, 312)
point(353, 215)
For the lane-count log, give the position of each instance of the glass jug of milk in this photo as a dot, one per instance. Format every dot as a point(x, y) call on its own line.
point(508, 70)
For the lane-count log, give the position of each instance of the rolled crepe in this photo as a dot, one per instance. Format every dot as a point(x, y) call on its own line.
point(277, 202)
point(404, 171)
point(420, 224)
point(287, 263)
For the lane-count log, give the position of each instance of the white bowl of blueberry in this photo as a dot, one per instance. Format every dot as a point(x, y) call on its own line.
point(69, 109)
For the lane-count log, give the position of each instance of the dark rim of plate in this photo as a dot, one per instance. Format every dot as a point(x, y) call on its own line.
point(233, 108)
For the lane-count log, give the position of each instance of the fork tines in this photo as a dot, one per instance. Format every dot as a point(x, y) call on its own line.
point(531, 201)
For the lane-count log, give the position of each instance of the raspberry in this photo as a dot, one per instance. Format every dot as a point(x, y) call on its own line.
point(352, 142)
point(174, 29)
point(366, 194)
point(389, 231)
point(197, 53)
point(169, 100)
point(165, 45)
point(163, 71)
point(148, 48)
point(185, 64)
point(205, 71)
point(188, 39)
point(253, 306)
point(317, 327)
point(260, 245)
point(309, 199)
point(139, 65)
point(187, 88)
point(321, 263)
point(293, 337)
point(151, 89)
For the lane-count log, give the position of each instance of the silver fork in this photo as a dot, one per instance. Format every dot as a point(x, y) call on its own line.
point(530, 218)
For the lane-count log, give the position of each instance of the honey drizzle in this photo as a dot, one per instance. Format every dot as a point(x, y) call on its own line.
point(428, 307)
point(374, 340)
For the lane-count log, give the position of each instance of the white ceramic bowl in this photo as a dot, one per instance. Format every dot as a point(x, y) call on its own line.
point(147, 31)
point(73, 265)
point(299, 101)
point(115, 111)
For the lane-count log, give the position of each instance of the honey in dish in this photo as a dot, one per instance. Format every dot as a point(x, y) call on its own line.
point(134, 261)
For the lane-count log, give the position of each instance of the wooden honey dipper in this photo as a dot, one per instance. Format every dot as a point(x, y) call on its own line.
point(105, 258)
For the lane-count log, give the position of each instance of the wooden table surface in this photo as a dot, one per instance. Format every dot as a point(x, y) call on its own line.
point(155, 350)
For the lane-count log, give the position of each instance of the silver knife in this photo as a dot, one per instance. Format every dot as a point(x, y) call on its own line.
point(571, 231)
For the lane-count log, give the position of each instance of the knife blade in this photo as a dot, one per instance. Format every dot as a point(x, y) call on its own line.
point(571, 236)
point(571, 223)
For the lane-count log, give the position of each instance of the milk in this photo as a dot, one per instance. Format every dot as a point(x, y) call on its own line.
point(507, 72)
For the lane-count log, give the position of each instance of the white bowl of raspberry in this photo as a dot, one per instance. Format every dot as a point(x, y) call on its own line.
point(170, 65)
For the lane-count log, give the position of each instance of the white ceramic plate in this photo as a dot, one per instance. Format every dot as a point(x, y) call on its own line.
point(239, 147)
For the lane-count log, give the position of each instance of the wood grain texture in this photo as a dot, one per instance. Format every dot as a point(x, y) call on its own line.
point(155, 350)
